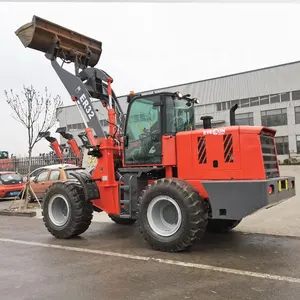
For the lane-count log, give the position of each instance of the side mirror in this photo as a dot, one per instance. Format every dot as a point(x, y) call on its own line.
point(35, 179)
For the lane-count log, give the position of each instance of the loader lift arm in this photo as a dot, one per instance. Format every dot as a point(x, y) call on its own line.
point(59, 42)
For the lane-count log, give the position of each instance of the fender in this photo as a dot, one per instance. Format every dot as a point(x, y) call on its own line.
point(91, 191)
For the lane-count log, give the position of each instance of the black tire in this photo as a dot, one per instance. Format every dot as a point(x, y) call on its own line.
point(121, 221)
point(81, 211)
point(193, 210)
point(221, 226)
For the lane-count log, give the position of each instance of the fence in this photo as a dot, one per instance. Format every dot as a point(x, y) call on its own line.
point(21, 164)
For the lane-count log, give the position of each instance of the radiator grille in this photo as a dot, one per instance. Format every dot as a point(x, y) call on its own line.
point(268, 148)
point(228, 148)
point(202, 150)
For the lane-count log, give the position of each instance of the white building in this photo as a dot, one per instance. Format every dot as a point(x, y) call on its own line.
point(268, 96)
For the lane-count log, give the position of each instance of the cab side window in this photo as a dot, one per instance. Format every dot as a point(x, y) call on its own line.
point(144, 132)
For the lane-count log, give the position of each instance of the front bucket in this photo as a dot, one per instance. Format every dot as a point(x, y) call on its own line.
point(40, 35)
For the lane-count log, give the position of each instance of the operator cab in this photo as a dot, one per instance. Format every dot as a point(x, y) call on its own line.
point(150, 117)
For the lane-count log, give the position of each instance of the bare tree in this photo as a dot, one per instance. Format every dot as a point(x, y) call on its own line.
point(36, 112)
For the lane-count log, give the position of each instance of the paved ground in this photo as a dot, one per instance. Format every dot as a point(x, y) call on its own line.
point(112, 262)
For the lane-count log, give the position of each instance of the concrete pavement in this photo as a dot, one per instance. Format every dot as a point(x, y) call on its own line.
point(110, 261)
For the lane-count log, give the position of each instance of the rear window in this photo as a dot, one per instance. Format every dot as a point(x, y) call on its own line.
point(68, 171)
point(10, 179)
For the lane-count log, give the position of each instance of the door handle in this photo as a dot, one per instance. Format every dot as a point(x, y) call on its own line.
point(43, 183)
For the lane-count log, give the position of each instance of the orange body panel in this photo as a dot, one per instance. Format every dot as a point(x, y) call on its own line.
point(169, 150)
point(231, 153)
point(104, 174)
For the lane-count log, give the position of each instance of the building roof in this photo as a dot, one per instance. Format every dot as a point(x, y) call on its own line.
point(216, 95)
point(220, 77)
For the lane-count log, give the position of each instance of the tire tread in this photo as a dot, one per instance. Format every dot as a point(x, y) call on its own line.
point(82, 213)
point(196, 209)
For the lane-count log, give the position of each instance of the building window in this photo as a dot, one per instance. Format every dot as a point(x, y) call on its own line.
point(298, 143)
point(234, 102)
point(274, 98)
point(244, 102)
point(244, 119)
point(285, 97)
point(282, 145)
point(296, 95)
point(264, 100)
point(219, 106)
point(254, 101)
point(104, 123)
point(74, 127)
point(274, 117)
point(297, 114)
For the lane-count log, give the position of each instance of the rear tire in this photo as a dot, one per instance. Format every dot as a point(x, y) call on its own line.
point(221, 226)
point(121, 221)
point(166, 199)
point(69, 197)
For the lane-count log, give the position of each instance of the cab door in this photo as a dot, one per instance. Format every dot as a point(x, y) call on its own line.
point(143, 132)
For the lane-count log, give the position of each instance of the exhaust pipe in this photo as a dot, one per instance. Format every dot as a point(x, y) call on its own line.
point(45, 36)
point(206, 121)
point(232, 114)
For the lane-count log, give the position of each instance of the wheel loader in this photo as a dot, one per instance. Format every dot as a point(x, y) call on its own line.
point(153, 167)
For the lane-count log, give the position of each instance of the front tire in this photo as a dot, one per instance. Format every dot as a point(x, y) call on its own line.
point(66, 213)
point(171, 215)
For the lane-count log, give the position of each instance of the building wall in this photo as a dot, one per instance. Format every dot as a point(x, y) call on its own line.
point(256, 92)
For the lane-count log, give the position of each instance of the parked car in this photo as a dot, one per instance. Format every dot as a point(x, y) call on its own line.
point(42, 178)
point(11, 184)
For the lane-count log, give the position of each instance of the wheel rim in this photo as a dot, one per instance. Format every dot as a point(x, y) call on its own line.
point(59, 210)
point(164, 215)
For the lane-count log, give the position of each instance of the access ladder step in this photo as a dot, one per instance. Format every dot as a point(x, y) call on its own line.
point(125, 216)
point(124, 187)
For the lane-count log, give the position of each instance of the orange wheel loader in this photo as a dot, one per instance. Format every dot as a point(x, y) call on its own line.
point(154, 167)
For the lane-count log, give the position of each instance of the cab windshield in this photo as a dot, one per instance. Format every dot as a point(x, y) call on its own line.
point(180, 115)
